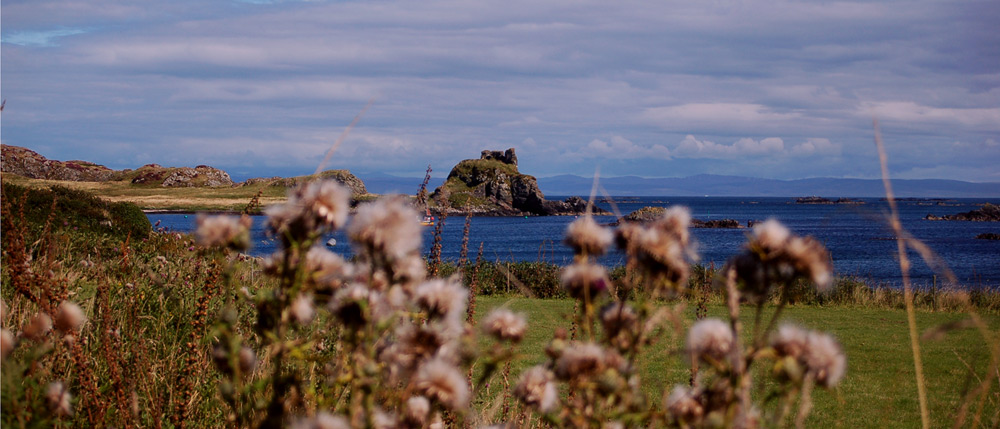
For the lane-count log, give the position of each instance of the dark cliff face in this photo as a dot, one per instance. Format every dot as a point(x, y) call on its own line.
point(492, 185)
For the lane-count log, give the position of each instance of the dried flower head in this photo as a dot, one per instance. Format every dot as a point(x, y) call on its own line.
point(302, 311)
point(224, 231)
point(7, 343)
point(824, 359)
point(441, 381)
point(537, 389)
point(387, 229)
point(586, 237)
point(418, 408)
point(617, 317)
point(790, 340)
point(441, 299)
point(325, 267)
point(38, 327)
point(328, 201)
point(683, 404)
point(247, 360)
point(322, 420)
point(311, 208)
point(583, 279)
point(504, 325)
point(59, 398)
point(579, 360)
point(710, 340)
point(69, 317)
point(354, 305)
point(662, 249)
point(775, 255)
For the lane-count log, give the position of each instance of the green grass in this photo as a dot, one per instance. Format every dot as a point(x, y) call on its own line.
point(879, 389)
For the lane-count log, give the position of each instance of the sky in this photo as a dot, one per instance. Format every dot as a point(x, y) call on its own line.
point(773, 89)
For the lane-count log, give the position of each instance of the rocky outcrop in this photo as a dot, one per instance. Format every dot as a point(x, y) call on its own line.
point(493, 186)
point(988, 236)
point(180, 177)
point(28, 163)
point(649, 214)
point(345, 178)
point(821, 200)
point(988, 213)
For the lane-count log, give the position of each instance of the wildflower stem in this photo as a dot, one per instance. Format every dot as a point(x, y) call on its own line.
point(904, 266)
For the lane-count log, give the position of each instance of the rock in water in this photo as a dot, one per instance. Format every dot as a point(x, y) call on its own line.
point(493, 186)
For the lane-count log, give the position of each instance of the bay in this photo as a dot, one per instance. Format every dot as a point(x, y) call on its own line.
point(859, 241)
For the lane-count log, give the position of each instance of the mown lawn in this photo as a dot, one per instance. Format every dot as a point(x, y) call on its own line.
point(879, 389)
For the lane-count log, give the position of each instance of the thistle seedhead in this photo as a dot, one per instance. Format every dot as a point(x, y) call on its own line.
point(504, 325)
point(586, 237)
point(710, 340)
point(581, 279)
point(59, 399)
point(386, 229)
point(537, 389)
point(441, 381)
point(69, 317)
point(224, 231)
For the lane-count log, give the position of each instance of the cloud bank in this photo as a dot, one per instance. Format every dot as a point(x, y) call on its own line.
point(778, 89)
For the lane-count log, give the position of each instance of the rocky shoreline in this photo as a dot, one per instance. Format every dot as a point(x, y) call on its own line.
point(988, 213)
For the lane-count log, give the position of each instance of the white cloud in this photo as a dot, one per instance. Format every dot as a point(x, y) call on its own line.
point(816, 146)
point(691, 147)
point(908, 111)
point(621, 148)
point(714, 113)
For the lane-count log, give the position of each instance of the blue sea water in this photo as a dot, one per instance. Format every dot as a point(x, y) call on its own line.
point(857, 236)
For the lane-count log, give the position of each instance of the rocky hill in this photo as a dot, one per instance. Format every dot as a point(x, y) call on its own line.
point(493, 186)
point(345, 178)
point(28, 163)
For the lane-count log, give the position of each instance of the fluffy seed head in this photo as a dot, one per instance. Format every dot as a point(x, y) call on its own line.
point(683, 404)
point(59, 399)
point(441, 299)
point(69, 317)
point(536, 388)
point(825, 359)
point(387, 227)
point(617, 317)
point(585, 236)
point(37, 327)
point(322, 420)
point(790, 340)
point(771, 235)
point(663, 248)
point(441, 381)
point(504, 325)
point(7, 343)
point(302, 309)
point(247, 359)
point(583, 278)
point(418, 408)
point(710, 339)
point(580, 360)
point(329, 201)
point(224, 231)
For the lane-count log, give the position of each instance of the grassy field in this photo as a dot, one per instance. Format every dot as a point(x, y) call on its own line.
point(879, 389)
point(156, 302)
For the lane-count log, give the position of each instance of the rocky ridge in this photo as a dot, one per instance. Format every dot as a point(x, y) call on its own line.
point(493, 186)
point(648, 214)
point(988, 213)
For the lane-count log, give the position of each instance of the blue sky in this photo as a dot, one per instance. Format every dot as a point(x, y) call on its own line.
point(774, 89)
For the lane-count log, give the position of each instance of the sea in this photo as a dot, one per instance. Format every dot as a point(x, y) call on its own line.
point(857, 235)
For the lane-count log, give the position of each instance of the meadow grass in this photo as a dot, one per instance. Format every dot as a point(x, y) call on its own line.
point(155, 302)
point(879, 389)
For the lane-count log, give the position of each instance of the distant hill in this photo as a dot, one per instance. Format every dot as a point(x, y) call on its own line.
point(722, 186)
